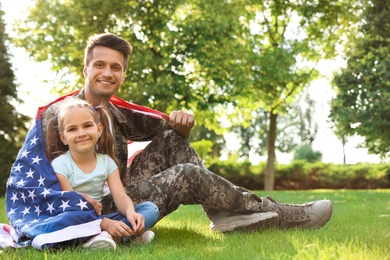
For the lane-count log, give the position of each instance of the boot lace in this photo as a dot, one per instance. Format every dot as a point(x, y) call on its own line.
point(290, 212)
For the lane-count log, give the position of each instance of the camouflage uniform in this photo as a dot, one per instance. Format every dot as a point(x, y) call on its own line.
point(168, 171)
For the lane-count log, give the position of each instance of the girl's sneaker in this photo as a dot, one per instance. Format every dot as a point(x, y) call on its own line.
point(146, 237)
point(101, 241)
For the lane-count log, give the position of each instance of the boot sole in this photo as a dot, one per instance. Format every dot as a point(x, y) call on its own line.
point(251, 222)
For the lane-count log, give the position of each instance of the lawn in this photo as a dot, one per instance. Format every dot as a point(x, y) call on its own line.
point(358, 229)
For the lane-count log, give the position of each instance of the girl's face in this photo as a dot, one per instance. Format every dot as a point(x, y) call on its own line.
point(79, 130)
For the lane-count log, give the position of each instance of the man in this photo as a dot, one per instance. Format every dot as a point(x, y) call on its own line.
point(168, 171)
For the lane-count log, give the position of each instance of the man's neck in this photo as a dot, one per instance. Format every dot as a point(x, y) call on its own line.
point(94, 100)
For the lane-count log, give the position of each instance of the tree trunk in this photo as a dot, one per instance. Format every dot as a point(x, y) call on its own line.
point(270, 169)
point(344, 155)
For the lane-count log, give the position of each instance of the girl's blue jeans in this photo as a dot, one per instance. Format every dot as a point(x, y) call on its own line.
point(147, 209)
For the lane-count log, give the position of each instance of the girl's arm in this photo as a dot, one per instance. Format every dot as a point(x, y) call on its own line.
point(64, 182)
point(65, 186)
point(124, 203)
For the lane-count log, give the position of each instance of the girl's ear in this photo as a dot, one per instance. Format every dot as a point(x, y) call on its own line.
point(63, 139)
point(100, 129)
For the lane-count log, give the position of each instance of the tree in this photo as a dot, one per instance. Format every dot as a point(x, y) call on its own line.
point(200, 55)
point(173, 41)
point(287, 39)
point(363, 88)
point(12, 123)
point(296, 128)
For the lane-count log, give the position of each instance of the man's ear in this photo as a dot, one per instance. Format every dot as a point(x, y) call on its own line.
point(123, 78)
point(85, 71)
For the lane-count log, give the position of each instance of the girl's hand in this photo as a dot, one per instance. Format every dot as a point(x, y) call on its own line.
point(97, 206)
point(137, 222)
point(116, 228)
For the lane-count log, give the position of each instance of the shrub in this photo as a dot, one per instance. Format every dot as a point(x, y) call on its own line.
point(307, 153)
point(302, 175)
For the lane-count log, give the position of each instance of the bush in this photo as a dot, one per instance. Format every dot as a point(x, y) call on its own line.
point(307, 153)
point(203, 148)
point(303, 175)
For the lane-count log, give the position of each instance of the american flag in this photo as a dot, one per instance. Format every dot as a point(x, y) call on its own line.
point(39, 212)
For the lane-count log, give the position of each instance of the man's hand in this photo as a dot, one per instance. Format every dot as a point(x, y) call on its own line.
point(182, 123)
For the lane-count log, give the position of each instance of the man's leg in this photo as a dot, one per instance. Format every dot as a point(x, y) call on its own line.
point(166, 150)
point(229, 207)
point(192, 184)
point(168, 172)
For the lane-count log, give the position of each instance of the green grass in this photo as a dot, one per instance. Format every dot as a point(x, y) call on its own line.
point(358, 229)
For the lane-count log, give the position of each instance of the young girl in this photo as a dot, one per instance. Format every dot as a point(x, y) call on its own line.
point(85, 161)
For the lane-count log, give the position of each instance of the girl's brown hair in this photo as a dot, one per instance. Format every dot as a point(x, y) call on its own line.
point(54, 145)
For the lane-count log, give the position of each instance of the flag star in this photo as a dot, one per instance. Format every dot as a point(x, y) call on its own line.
point(82, 204)
point(14, 197)
point(41, 181)
point(30, 173)
point(25, 153)
point(18, 167)
point(23, 197)
point(12, 211)
point(34, 140)
point(20, 183)
point(18, 221)
point(45, 192)
point(26, 211)
point(50, 208)
point(37, 210)
point(10, 181)
point(35, 221)
point(36, 160)
point(64, 205)
point(31, 194)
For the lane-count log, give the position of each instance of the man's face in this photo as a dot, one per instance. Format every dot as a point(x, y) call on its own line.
point(104, 73)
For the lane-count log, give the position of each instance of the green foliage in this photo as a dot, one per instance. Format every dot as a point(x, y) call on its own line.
point(363, 88)
point(200, 133)
point(198, 55)
point(12, 123)
point(286, 40)
point(203, 148)
point(307, 153)
point(302, 175)
point(174, 64)
point(295, 127)
point(193, 54)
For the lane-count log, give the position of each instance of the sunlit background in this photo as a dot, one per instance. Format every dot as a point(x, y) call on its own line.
point(35, 89)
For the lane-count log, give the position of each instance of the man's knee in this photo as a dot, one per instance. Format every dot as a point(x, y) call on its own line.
point(188, 171)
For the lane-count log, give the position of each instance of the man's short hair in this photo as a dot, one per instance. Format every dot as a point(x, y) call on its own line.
point(111, 41)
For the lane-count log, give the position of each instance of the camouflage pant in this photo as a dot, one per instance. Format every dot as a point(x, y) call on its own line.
point(169, 173)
